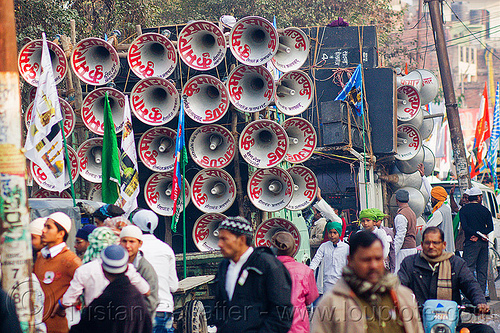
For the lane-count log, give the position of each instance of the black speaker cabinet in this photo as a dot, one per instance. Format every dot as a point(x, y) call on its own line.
point(338, 47)
point(381, 98)
point(337, 134)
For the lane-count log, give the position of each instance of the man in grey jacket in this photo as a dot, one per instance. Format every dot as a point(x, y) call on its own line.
point(131, 240)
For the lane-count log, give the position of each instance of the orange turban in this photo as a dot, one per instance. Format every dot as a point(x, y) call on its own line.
point(440, 194)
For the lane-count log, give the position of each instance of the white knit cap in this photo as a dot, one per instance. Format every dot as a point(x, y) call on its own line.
point(145, 219)
point(36, 226)
point(131, 231)
point(475, 191)
point(62, 219)
point(114, 259)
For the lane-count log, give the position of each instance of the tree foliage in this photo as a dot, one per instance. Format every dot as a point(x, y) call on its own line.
point(298, 13)
point(97, 17)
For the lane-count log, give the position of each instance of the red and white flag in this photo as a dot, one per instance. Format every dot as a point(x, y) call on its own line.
point(482, 134)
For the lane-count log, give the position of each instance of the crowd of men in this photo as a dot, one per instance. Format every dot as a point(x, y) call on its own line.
point(121, 277)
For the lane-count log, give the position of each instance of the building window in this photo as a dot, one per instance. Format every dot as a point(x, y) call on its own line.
point(467, 54)
point(461, 53)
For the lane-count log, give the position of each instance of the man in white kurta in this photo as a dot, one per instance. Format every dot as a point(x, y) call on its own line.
point(441, 216)
point(333, 255)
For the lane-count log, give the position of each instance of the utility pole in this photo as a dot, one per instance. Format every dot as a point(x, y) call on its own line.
point(14, 216)
point(457, 138)
point(419, 35)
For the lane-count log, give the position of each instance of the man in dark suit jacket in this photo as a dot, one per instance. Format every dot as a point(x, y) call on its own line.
point(253, 288)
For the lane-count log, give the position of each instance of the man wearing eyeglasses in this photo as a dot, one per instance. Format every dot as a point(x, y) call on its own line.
point(437, 274)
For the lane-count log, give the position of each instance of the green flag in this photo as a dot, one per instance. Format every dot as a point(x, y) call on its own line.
point(110, 158)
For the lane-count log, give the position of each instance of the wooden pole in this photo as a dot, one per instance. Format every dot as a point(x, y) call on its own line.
point(14, 214)
point(456, 136)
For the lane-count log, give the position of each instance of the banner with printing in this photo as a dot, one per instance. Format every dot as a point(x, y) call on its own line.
point(128, 164)
point(44, 142)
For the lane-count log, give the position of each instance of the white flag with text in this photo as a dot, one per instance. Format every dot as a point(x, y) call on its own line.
point(44, 142)
point(128, 164)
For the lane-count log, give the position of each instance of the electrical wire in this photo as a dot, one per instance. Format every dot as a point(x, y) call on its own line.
point(466, 27)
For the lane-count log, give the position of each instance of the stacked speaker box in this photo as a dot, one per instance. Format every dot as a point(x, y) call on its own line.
point(339, 47)
point(332, 49)
point(335, 125)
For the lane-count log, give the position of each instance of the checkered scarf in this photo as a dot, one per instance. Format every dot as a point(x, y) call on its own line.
point(99, 239)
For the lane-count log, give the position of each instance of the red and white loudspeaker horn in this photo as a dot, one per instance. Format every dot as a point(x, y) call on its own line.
point(424, 81)
point(41, 178)
point(69, 117)
point(203, 231)
point(212, 146)
point(44, 194)
point(268, 228)
point(31, 94)
point(427, 125)
point(302, 139)
point(415, 121)
point(157, 149)
point(95, 192)
point(408, 103)
point(89, 160)
point(305, 187)
point(429, 88)
point(297, 42)
point(152, 55)
point(95, 61)
point(294, 93)
point(207, 99)
point(417, 201)
point(158, 190)
point(271, 189)
point(263, 143)
point(398, 179)
point(201, 45)
point(93, 109)
point(411, 165)
point(429, 161)
point(253, 41)
point(414, 78)
point(155, 101)
point(213, 190)
point(409, 142)
point(251, 89)
point(29, 62)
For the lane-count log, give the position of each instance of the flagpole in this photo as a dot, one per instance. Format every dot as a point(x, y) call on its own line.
point(184, 259)
point(68, 163)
